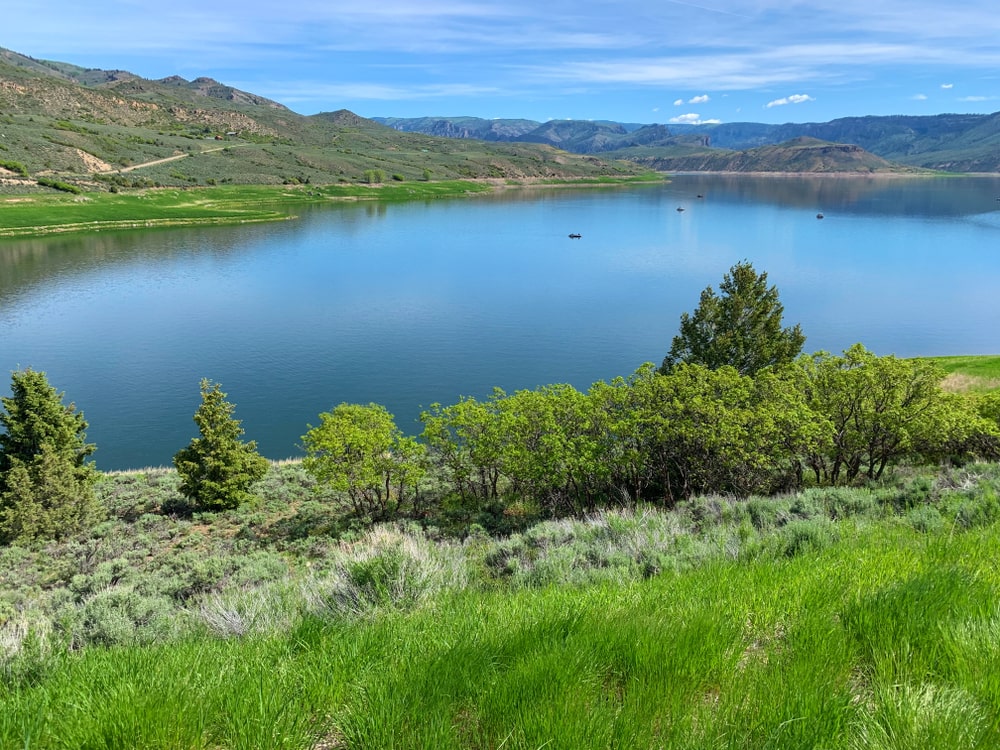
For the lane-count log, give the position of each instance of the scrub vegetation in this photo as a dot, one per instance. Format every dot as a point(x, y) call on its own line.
point(803, 556)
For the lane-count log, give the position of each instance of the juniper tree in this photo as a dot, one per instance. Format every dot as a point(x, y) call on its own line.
point(218, 468)
point(740, 327)
point(46, 483)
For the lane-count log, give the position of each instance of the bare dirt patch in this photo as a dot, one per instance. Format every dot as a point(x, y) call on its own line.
point(92, 164)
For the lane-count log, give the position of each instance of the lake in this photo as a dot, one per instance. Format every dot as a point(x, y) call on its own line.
point(410, 304)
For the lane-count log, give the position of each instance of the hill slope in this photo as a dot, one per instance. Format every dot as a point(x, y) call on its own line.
point(801, 154)
point(96, 128)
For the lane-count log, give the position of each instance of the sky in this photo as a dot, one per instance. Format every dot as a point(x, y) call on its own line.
point(647, 61)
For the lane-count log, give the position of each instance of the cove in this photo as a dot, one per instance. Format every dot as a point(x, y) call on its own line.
point(410, 304)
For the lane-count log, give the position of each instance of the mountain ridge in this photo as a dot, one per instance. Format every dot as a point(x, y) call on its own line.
point(946, 142)
point(93, 129)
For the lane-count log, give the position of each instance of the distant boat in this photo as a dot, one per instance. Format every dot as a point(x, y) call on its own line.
point(575, 236)
point(819, 216)
point(679, 208)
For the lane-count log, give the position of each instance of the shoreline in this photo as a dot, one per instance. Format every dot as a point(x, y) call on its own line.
point(34, 215)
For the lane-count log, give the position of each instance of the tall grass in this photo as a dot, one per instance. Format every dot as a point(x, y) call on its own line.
point(886, 638)
point(848, 618)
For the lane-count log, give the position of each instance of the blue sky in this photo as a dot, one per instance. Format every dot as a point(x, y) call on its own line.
point(652, 61)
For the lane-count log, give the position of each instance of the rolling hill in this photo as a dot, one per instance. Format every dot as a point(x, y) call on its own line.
point(112, 129)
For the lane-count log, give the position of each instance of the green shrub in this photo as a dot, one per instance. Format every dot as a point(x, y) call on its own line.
point(57, 185)
point(14, 166)
point(120, 616)
point(799, 536)
point(925, 519)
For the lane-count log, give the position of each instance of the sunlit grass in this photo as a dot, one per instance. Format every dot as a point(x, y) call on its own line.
point(884, 639)
point(971, 373)
point(40, 214)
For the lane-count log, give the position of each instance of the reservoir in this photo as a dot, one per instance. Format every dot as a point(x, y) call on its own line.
point(410, 304)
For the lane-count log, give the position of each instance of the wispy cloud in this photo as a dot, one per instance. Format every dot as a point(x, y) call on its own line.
point(919, 97)
point(543, 55)
point(793, 99)
point(975, 98)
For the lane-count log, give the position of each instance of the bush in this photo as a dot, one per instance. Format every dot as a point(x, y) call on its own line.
point(14, 166)
point(800, 536)
point(57, 185)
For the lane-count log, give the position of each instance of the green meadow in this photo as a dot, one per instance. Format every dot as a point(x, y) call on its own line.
point(970, 373)
point(40, 213)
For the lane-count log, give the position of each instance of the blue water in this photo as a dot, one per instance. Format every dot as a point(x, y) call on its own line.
point(408, 304)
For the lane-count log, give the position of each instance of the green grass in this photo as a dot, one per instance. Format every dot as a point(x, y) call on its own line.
point(887, 639)
point(970, 373)
point(31, 215)
point(832, 618)
point(41, 214)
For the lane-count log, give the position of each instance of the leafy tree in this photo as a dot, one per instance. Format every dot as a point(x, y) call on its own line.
point(360, 451)
point(740, 327)
point(217, 469)
point(883, 409)
point(702, 431)
point(551, 453)
point(465, 442)
point(46, 484)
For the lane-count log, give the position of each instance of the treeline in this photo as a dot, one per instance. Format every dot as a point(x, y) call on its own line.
point(655, 438)
point(652, 438)
point(734, 410)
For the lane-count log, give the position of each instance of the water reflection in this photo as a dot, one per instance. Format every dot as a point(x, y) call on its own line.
point(406, 304)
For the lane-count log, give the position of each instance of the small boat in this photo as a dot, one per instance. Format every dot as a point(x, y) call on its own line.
point(575, 236)
point(680, 208)
point(819, 216)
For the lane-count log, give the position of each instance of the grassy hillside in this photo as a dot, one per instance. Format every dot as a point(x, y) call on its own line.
point(106, 130)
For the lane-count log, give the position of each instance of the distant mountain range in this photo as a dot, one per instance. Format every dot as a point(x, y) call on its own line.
point(111, 129)
point(948, 142)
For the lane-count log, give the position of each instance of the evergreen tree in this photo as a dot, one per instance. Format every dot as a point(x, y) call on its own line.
point(740, 327)
point(46, 484)
point(217, 469)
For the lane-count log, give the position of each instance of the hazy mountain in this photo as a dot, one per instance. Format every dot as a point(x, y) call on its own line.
point(801, 154)
point(961, 143)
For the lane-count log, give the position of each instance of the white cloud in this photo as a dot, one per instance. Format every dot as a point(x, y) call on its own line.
point(793, 99)
point(692, 118)
point(698, 99)
point(919, 97)
point(975, 98)
point(947, 85)
point(678, 102)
